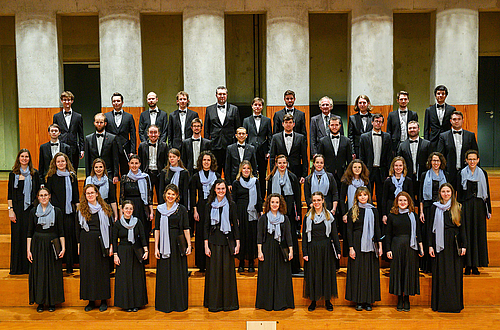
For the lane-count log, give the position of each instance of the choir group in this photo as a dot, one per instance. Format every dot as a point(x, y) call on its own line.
point(432, 202)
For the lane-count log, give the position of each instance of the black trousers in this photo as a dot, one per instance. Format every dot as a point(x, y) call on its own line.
point(154, 177)
point(377, 178)
point(220, 155)
point(75, 157)
point(262, 169)
point(122, 160)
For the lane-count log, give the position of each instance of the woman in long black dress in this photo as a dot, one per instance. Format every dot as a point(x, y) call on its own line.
point(365, 248)
point(175, 172)
point(45, 277)
point(394, 184)
point(274, 236)
point(131, 251)
point(447, 244)
point(246, 195)
point(172, 225)
point(320, 180)
point(283, 182)
point(222, 243)
point(320, 248)
point(95, 247)
point(403, 246)
point(99, 178)
point(430, 182)
point(136, 187)
point(62, 182)
point(201, 183)
point(24, 182)
point(474, 194)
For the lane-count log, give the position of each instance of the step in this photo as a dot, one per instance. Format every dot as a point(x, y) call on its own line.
point(483, 289)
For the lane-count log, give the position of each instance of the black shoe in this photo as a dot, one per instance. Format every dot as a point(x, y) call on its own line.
point(467, 270)
point(328, 306)
point(241, 269)
point(104, 306)
point(359, 307)
point(39, 309)
point(406, 303)
point(399, 308)
point(202, 270)
point(52, 308)
point(251, 270)
point(135, 309)
point(475, 271)
point(368, 307)
point(312, 306)
point(90, 306)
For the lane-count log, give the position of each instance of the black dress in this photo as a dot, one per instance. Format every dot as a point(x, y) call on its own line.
point(388, 193)
point(475, 211)
point(447, 276)
point(331, 196)
point(130, 278)
point(363, 273)
point(274, 281)
point(19, 264)
point(45, 277)
point(57, 187)
point(221, 292)
point(172, 273)
point(404, 277)
point(111, 194)
point(197, 200)
point(94, 267)
point(426, 260)
point(320, 271)
point(248, 229)
point(183, 185)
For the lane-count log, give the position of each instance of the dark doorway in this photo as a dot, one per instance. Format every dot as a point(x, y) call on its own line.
point(84, 81)
point(488, 133)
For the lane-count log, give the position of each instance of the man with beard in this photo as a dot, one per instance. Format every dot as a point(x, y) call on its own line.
point(179, 122)
point(153, 116)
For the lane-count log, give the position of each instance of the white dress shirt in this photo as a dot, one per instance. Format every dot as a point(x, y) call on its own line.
point(458, 138)
point(288, 142)
point(414, 150)
point(440, 113)
point(100, 142)
point(67, 116)
point(182, 118)
point(241, 151)
point(118, 117)
point(153, 114)
point(55, 149)
point(196, 151)
point(152, 156)
point(335, 142)
point(403, 120)
point(258, 120)
point(377, 148)
point(221, 112)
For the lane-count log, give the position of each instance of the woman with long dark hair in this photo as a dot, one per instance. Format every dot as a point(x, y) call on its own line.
point(222, 243)
point(45, 231)
point(24, 182)
point(175, 172)
point(99, 178)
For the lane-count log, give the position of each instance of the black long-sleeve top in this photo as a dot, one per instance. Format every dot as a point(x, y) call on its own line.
point(294, 181)
point(318, 232)
point(286, 230)
point(388, 193)
point(343, 196)
point(130, 188)
point(16, 195)
point(178, 220)
point(399, 225)
point(57, 187)
point(94, 225)
point(242, 195)
point(166, 178)
point(435, 188)
point(331, 196)
point(57, 229)
point(196, 189)
point(460, 232)
point(213, 233)
point(471, 191)
point(120, 234)
point(358, 226)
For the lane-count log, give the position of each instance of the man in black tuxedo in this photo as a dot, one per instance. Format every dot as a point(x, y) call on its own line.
point(153, 156)
point(122, 124)
point(260, 133)
point(359, 123)
point(397, 121)
point(49, 149)
point(179, 122)
point(336, 149)
point(453, 144)
point(320, 124)
point(299, 117)
point(102, 144)
point(415, 151)
point(71, 125)
point(293, 145)
point(238, 152)
point(437, 117)
point(153, 116)
point(375, 152)
point(221, 121)
point(193, 146)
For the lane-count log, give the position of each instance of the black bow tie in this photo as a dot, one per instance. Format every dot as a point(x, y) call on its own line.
point(288, 135)
point(196, 140)
point(99, 135)
point(335, 136)
point(117, 113)
point(241, 146)
point(182, 111)
point(289, 111)
point(54, 144)
point(440, 106)
point(364, 116)
point(377, 134)
point(403, 112)
point(220, 106)
point(414, 141)
point(457, 132)
point(153, 111)
point(257, 116)
point(152, 144)
point(67, 113)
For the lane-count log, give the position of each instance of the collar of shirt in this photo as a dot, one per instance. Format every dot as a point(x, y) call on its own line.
point(285, 134)
point(241, 144)
point(222, 106)
point(68, 112)
point(289, 110)
point(410, 139)
point(155, 109)
point(439, 106)
point(405, 109)
point(379, 133)
point(456, 130)
point(118, 112)
point(103, 132)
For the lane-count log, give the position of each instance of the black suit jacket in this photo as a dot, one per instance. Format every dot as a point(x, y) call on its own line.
point(335, 163)
point(317, 131)
point(355, 129)
point(299, 118)
point(187, 152)
point(233, 160)
point(423, 152)
point(446, 146)
point(45, 157)
point(145, 122)
point(125, 134)
point(394, 128)
point(174, 131)
point(297, 159)
point(109, 153)
point(221, 134)
point(366, 150)
point(72, 135)
point(260, 140)
point(432, 128)
point(161, 155)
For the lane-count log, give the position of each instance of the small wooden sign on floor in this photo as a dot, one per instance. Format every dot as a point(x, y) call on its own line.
point(261, 325)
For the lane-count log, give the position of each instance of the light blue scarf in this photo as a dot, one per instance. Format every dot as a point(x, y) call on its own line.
point(478, 176)
point(438, 227)
point(142, 182)
point(429, 177)
point(27, 186)
point(102, 185)
point(46, 219)
point(368, 228)
point(323, 185)
point(413, 235)
point(282, 181)
point(273, 224)
point(225, 224)
point(69, 190)
point(165, 229)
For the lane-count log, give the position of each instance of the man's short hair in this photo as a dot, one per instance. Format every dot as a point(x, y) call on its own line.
point(220, 87)
point(288, 117)
point(67, 94)
point(241, 128)
point(55, 126)
point(403, 93)
point(441, 88)
point(330, 100)
point(458, 113)
point(116, 94)
point(414, 122)
point(102, 115)
point(153, 126)
point(289, 92)
point(197, 120)
point(335, 118)
point(183, 93)
point(377, 115)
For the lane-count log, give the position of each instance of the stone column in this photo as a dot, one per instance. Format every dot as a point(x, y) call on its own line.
point(456, 60)
point(39, 76)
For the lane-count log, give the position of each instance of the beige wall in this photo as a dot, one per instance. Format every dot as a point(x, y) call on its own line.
point(80, 38)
